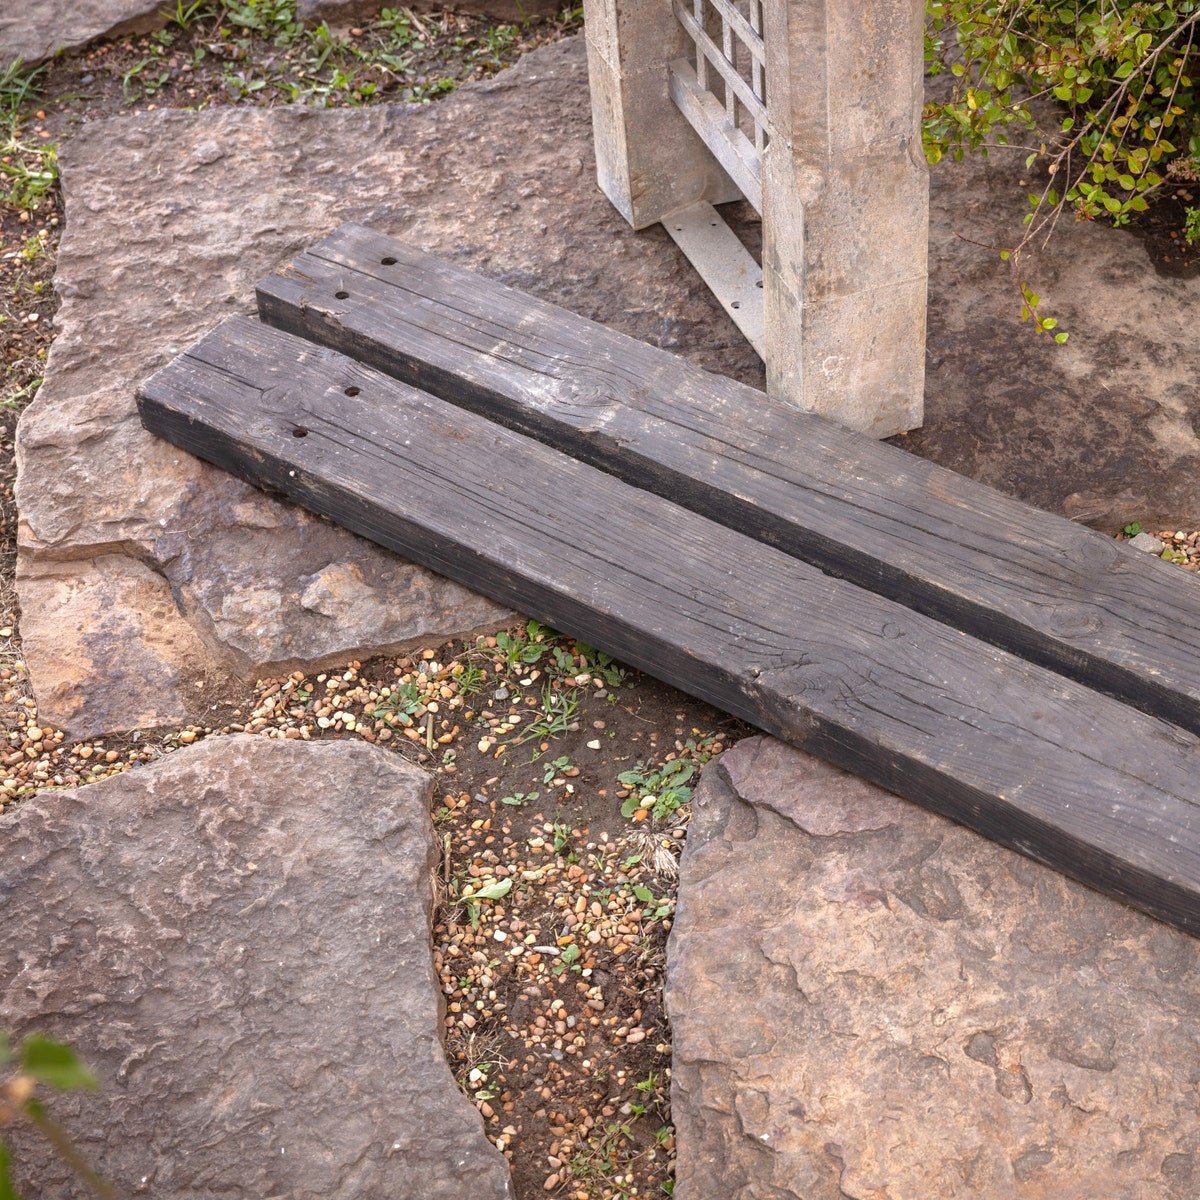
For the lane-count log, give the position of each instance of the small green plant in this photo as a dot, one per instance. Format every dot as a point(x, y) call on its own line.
point(562, 837)
point(523, 647)
point(18, 88)
point(661, 790)
point(28, 167)
point(479, 1080)
point(398, 703)
point(568, 960)
point(1132, 529)
point(469, 679)
point(491, 891)
point(1191, 226)
point(559, 766)
point(184, 16)
point(41, 1063)
point(518, 799)
point(557, 716)
point(653, 908)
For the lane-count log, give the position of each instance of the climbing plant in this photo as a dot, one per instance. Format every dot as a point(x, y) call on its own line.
point(1101, 93)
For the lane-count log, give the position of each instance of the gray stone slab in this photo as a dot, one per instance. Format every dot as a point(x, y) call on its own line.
point(237, 939)
point(31, 30)
point(870, 1002)
point(172, 216)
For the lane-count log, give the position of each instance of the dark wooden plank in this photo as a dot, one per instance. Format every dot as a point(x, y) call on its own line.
point(1040, 586)
point(1034, 760)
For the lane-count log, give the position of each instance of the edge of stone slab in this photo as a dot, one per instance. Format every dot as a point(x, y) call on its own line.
point(334, 12)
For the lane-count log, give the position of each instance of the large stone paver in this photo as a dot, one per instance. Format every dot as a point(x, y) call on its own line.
point(871, 1003)
point(237, 939)
point(31, 30)
point(145, 576)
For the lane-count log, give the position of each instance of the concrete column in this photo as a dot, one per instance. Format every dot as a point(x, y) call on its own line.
point(649, 161)
point(846, 210)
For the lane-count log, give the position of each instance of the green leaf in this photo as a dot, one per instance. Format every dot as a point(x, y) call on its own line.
point(7, 1191)
point(494, 891)
point(57, 1065)
point(1061, 337)
point(570, 954)
point(644, 894)
point(629, 806)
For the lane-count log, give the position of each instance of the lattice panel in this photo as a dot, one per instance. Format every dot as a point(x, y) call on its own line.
point(721, 88)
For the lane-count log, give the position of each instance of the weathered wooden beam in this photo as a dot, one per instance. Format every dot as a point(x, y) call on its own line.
point(1042, 587)
point(1039, 763)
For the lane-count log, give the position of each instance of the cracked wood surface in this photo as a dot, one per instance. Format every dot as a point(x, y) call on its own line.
point(1030, 582)
point(1036, 761)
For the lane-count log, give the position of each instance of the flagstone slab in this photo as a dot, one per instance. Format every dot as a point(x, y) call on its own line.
point(237, 939)
point(871, 1003)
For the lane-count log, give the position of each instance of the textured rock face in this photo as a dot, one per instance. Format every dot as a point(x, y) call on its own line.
point(34, 29)
point(171, 217)
point(870, 1003)
point(237, 939)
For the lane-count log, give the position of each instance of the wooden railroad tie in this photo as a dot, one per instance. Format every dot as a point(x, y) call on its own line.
point(989, 661)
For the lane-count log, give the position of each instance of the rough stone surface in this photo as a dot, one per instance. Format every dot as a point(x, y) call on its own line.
point(171, 217)
point(871, 1003)
point(237, 939)
point(32, 30)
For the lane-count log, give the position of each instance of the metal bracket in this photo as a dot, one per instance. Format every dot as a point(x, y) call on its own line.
point(725, 265)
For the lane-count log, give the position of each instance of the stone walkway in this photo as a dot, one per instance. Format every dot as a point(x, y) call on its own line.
point(239, 936)
point(869, 1002)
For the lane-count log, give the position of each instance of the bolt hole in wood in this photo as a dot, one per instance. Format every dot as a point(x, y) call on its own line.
point(388, 262)
point(299, 431)
point(735, 304)
point(353, 391)
point(342, 295)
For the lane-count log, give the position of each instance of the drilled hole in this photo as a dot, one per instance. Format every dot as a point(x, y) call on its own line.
point(736, 304)
point(388, 262)
point(342, 295)
point(759, 283)
point(299, 431)
point(353, 391)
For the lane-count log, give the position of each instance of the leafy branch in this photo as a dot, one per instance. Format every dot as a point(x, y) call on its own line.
point(42, 1063)
point(1119, 72)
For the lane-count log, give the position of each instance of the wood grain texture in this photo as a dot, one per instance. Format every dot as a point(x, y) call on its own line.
point(1036, 761)
point(1042, 587)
